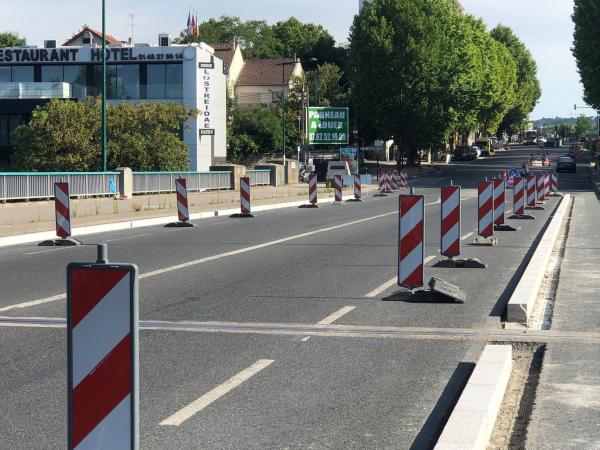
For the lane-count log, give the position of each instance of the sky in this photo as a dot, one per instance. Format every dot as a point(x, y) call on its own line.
point(544, 25)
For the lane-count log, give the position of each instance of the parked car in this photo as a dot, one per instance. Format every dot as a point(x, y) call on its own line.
point(337, 168)
point(464, 154)
point(566, 164)
point(478, 151)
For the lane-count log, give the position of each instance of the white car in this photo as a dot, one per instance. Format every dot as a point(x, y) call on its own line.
point(337, 168)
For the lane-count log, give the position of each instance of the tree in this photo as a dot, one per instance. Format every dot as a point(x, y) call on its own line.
point(325, 85)
point(8, 39)
point(583, 126)
point(528, 89)
point(65, 136)
point(586, 17)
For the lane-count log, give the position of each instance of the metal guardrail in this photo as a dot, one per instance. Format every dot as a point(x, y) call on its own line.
point(155, 182)
point(259, 177)
point(35, 185)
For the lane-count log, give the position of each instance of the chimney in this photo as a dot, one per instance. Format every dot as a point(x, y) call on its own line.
point(50, 43)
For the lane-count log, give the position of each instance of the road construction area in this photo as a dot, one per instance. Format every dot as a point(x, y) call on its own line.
point(289, 330)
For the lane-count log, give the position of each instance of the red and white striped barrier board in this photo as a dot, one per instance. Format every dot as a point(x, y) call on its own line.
point(403, 178)
point(394, 178)
point(338, 188)
point(540, 188)
point(531, 191)
point(388, 182)
point(382, 184)
point(63, 209)
point(312, 189)
point(102, 349)
point(519, 196)
point(183, 213)
point(450, 230)
point(245, 195)
point(554, 183)
point(357, 188)
point(486, 209)
point(499, 199)
point(410, 241)
point(547, 185)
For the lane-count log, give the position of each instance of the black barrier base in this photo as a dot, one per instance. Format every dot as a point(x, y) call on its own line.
point(380, 194)
point(535, 208)
point(505, 227)
point(66, 242)
point(242, 215)
point(485, 241)
point(354, 200)
point(179, 225)
point(521, 217)
point(440, 292)
point(309, 205)
point(470, 263)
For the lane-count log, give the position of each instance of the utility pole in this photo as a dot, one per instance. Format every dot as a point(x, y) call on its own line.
point(103, 86)
point(132, 25)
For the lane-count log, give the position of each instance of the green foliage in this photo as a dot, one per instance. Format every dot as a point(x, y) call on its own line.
point(241, 148)
point(583, 126)
point(325, 86)
point(528, 89)
point(65, 136)
point(258, 39)
point(586, 16)
point(8, 39)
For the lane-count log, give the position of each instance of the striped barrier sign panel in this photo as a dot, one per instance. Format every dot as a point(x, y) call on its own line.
point(62, 206)
point(540, 188)
point(182, 199)
point(485, 209)
point(519, 196)
point(531, 191)
point(403, 178)
point(388, 183)
point(382, 184)
point(357, 188)
point(499, 199)
point(245, 195)
point(394, 177)
point(547, 185)
point(410, 241)
point(312, 189)
point(102, 356)
point(450, 229)
point(554, 183)
point(338, 188)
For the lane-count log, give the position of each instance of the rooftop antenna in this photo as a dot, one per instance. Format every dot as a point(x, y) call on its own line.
point(132, 26)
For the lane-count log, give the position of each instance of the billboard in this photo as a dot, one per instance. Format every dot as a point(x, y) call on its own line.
point(328, 125)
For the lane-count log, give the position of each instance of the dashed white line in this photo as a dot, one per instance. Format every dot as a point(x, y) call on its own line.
point(198, 405)
point(34, 302)
point(336, 315)
point(128, 237)
point(467, 236)
point(54, 249)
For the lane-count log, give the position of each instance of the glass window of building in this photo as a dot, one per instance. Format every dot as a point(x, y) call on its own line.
point(128, 81)
point(174, 80)
point(4, 141)
point(22, 74)
point(155, 84)
point(75, 75)
point(111, 82)
point(52, 73)
point(5, 74)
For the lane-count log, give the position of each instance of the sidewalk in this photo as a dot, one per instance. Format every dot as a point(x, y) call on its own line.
point(566, 414)
point(29, 217)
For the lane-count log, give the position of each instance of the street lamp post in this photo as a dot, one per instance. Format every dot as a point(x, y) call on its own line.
point(103, 106)
point(284, 103)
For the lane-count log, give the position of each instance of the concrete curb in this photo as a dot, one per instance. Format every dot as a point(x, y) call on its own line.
point(472, 421)
point(130, 224)
point(522, 301)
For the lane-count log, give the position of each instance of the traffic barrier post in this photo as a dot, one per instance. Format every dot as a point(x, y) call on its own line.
point(357, 189)
point(541, 198)
point(62, 214)
point(546, 185)
point(500, 207)
point(519, 197)
point(554, 183)
point(338, 185)
point(245, 210)
point(411, 241)
point(183, 213)
point(312, 192)
point(485, 214)
point(102, 354)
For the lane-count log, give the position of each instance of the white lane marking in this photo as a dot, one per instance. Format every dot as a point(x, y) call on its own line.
point(128, 237)
point(198, 405)
point(306, 339)
point(336, 315)
point(467, 236)
point(55, 249)
point(34, 302)
point(388, 284)
point(215, 257)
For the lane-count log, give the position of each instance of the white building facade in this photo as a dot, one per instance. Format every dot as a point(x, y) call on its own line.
point(189, 74)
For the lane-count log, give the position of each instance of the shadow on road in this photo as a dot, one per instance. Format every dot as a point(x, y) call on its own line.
point(433, 426)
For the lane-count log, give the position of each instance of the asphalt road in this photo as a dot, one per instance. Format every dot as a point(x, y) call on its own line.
point(292, 266)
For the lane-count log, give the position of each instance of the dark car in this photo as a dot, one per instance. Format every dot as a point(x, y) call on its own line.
point(461, 154)
point(566, 164)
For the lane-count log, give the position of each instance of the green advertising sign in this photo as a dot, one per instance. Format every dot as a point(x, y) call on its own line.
point(328, 125)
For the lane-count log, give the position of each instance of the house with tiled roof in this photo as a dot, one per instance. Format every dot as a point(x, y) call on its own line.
point(233, 61)
point(262, 80)
point(89, 36)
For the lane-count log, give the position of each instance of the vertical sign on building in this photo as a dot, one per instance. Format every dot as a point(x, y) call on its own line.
point(328, 125)
point(207, 101)
point(102, 348)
